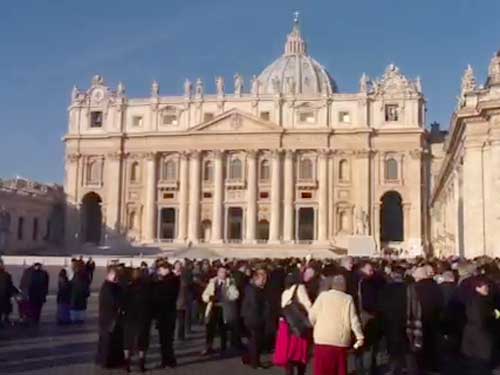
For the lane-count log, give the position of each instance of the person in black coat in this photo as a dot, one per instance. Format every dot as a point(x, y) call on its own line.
point(35, 283)
point(255, 312)
point(63, 298)
point(431, 299)
point(110, 344)
point(393, 312)
point(7, 291)
point(137, 315)
point(478, 336)
point(165, 294)
point(80, 292)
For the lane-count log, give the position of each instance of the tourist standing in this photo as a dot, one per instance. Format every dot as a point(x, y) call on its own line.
point(137, 315)
point(293, 350)
point(256, 313)
point(220, 295)
point(110, 344)
point(80, 292)
point(478, 337)
point(63, 298)
point(35, 286)
point(332, 336)
point(165, 294)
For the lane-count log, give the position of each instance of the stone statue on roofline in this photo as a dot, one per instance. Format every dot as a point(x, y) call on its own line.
point(238, 84)
point(155, 89)
point(199, 88)
point(255, 85)
point(219, 85)
point(188, 88)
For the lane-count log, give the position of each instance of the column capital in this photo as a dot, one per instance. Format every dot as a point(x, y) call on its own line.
point(150, 156)
point(115, 156)
point(324, 153)
point(276, 153)
point(184, 155)
point(289, 153)
point(364, 153)
point(218, 154)
point(252, 154)
point(194, 153)
point(73, 157)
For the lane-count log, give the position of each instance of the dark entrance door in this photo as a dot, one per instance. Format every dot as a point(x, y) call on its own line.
point(167, 223)
point(91, 218)
point(391, 218)
point(306, 224)
point(235, 223)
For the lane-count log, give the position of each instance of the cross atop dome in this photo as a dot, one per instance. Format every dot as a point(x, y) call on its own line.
point(295, 45)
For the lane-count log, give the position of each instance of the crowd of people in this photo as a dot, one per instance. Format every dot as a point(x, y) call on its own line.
point(415, 316)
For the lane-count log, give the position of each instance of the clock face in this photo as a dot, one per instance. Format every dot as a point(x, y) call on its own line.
point(98, 95)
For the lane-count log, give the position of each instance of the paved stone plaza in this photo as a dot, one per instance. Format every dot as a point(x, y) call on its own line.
point(54, 350)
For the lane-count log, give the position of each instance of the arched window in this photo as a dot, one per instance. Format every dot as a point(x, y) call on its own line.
point(265, 170)
point(391, 169)
point(93, 172)
point(208, 171)
point(235, 169)
point(134, 172)
point(344, 170)
point(306, 169)
point(169, 171)
point(343, 221)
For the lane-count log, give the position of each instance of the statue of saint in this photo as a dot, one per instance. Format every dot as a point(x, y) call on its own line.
point(238, 84)
point(363, 84)
point(199, 88)
point(255, 85)
point(219, 84)
point(155, 89)
point(74, 93)
point(120, 89)
point(188, 88)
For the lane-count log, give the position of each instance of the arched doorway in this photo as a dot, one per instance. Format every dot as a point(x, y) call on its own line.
point(263, 230)
point(391, 218)
point(91, 215)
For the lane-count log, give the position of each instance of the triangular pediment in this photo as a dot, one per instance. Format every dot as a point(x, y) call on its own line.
point(236, 121)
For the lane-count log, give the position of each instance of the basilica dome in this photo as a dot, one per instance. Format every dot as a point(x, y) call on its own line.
point(295, 72)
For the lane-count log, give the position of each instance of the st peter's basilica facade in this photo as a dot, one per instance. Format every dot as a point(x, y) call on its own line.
point(287, 161)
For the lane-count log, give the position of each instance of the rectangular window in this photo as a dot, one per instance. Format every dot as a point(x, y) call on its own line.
point(20, 228)
point(307, 117)
point(265, 115)
point(168, 196)
point(207, 194)
point(170, 119)
point(391, 112)
point(208, 116)
point(137, 121)
point(96, 119)
point(264, 195)
point(35, 229)
point(306, 195)
point(344, 117)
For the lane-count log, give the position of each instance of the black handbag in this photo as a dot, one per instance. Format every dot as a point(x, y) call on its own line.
point(296, 316)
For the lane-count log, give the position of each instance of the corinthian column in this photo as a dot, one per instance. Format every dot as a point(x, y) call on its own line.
point(274, 230)
point(194, 196)
point(183, 198)
point(150, 199)
point(288, 197)
point(251, 197)
point(217, 209)
point(323, 196)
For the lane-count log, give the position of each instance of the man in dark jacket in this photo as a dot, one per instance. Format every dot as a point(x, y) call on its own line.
point(431, 300)
point(393, 311)
point(165, 294)
point(36, 287)
point(255, 311)
point(110, 344)
point(368, 287)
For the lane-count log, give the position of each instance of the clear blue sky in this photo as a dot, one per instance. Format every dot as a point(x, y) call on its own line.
point(49, 45)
